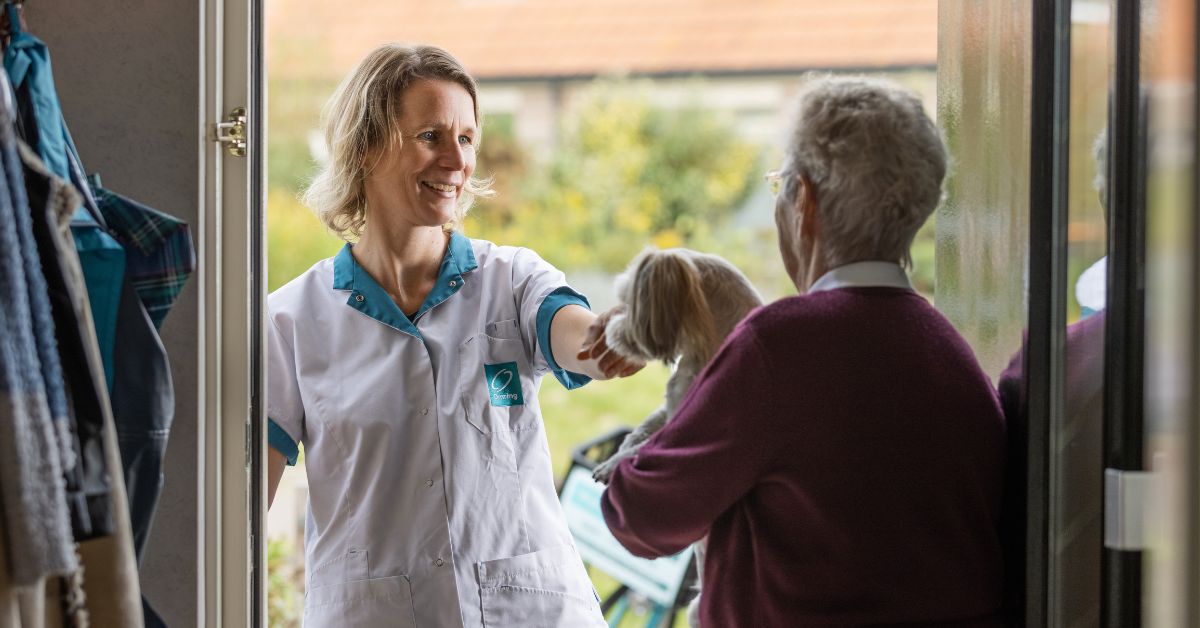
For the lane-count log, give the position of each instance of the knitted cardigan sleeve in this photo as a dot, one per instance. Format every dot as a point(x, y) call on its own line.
point(706, 458)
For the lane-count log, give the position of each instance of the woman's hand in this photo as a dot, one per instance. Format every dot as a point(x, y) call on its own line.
point(611, 363)
point(577, 339)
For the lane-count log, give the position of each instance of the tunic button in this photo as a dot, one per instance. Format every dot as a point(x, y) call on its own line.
point(439, 562)
point(359, 298)
point(424, 410)
point(428, 482)
point(453, 283)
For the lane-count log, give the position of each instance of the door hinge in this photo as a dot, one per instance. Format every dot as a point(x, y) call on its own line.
point(1128, 497)
point(232, 132)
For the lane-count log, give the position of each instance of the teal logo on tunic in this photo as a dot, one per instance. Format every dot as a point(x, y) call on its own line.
point(504, 384)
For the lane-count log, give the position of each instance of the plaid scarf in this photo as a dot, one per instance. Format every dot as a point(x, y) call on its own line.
point(159, 256)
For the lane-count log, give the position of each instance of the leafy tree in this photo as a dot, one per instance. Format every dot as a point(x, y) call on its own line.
point(627, 173)
point(296, 239)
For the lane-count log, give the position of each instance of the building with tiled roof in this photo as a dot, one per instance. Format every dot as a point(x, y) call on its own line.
point(538, 39)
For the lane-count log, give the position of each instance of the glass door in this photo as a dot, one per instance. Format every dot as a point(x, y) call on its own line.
point(1171, 587)
point(1068, 256)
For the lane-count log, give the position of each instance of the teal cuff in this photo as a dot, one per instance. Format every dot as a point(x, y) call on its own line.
point(279, 440)
point(550, 306)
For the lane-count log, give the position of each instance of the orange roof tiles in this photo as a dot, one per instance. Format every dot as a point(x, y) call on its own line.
point(548, 38)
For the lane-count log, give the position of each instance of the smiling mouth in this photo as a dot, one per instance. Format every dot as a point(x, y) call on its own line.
point(440, 187)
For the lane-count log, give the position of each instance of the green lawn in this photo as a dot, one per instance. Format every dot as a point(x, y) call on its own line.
point(576, 416)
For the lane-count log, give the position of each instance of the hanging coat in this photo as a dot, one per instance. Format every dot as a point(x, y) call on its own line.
point(32, 489)
point(41, 125)
point(53, 202)
point(110, 583)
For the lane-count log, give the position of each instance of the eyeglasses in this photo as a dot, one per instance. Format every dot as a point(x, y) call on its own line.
point(774, 180)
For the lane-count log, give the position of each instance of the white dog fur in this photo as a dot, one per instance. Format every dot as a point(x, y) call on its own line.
point(679, 305)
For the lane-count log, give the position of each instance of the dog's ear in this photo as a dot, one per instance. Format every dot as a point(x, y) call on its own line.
point(668, 307)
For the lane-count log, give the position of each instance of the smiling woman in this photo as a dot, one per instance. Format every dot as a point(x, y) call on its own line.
point(365, 122)
point(408, 366)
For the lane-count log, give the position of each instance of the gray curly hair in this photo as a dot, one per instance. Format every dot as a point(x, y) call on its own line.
point(876, 163)
point(359, 120)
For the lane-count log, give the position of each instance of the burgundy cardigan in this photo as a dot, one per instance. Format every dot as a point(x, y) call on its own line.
point(843, 452)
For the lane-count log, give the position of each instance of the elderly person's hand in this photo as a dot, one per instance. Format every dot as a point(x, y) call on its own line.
point(594, 346)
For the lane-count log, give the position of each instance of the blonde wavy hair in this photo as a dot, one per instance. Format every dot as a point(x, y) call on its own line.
point(359, 122)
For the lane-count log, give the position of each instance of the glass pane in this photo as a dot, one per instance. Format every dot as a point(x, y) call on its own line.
point(1168, 53)
point(1076, 519)
point(984, 90)
point(983, 225)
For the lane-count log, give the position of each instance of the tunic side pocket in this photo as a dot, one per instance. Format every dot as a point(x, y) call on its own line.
point(547, 588)
point(341, 593)
point(367, 603)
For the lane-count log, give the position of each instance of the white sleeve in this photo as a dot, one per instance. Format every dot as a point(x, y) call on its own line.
point(285, 408)
point(540, 291)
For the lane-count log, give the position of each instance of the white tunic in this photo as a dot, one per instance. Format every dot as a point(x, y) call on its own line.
point(432, 500)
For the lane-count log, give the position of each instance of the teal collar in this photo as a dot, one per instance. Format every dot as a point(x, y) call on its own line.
point(368, 297)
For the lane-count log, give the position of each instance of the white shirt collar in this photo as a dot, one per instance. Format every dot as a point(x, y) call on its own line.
point(863, 275)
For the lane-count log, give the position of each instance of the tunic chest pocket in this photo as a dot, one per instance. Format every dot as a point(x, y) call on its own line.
point(496, 386)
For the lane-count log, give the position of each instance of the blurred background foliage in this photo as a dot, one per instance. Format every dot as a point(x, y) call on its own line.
point(624, 174)
point(285, 600)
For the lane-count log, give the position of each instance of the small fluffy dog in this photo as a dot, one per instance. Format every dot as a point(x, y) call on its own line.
point(679, 306)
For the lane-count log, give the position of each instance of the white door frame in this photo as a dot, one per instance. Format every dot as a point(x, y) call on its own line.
point(232, 268)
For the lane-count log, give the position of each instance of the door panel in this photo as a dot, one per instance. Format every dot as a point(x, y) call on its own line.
point(1172, 562)
point(1076, 527)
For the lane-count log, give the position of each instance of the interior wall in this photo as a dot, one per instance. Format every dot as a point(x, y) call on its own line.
point(128, 77)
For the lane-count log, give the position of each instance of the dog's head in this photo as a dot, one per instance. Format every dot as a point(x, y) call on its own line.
point(666, 312)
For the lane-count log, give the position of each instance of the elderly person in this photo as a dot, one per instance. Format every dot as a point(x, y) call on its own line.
point(408, 367)
point(843, 450)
